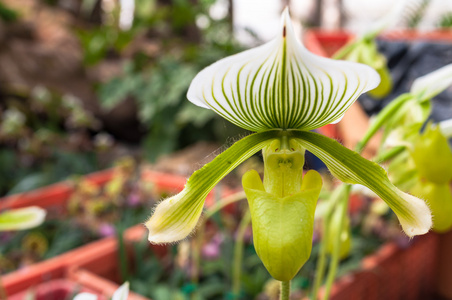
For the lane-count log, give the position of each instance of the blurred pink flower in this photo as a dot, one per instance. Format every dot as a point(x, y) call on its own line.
point(106, 230)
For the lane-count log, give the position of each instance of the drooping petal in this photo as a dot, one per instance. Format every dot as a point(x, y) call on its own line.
point(348, 166)
point(430, 85)
point(432, 156)
point(22, 218)
point(176, 217)
point(281, 85)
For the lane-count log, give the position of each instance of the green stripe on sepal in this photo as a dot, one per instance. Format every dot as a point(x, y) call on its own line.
point(350, 167)
point(22, 218)
point(176, 217)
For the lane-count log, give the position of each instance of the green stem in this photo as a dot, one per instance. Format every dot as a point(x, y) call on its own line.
point(335, 257)
point(285, 290)
point(123, 262)
point(345, 50)
point(224, 202)
point(334, 199)
point(238, 254)
point(385, 114)
point(387, 155)
point(321, 261)
point(196, 255)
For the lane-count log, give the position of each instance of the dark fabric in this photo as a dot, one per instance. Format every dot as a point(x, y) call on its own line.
point(408, 61)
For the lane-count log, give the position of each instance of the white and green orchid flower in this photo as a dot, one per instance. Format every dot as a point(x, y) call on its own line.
point(22, 218)
point(281, 91)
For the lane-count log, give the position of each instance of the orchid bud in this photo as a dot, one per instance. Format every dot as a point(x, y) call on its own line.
point(433, 157)
point(439, 198)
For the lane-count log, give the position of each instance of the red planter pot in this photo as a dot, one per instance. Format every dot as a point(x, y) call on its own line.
point(394, 273)
point(56, 290)
point(55, 197)
point(99, 270)
point(94, 258)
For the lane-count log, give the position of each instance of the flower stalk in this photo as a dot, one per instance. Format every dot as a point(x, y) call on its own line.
point(285, 290)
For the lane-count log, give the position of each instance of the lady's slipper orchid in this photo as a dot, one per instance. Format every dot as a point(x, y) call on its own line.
point(280, 90)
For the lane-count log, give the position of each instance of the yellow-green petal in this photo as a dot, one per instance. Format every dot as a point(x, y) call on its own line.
point(282, 226)
point(22, 218)
point(348, 166)
point(176, 217)
point(432, 155)
point(439, 198)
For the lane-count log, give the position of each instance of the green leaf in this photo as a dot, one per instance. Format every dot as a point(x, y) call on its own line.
point(348, 166)
point(176, 217)
point(22, 218)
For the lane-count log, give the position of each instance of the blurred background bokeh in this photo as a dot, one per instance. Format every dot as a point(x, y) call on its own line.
point(87, 85)
point(83, 82)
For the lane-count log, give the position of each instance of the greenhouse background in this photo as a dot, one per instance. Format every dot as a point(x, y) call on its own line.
point(97, 129)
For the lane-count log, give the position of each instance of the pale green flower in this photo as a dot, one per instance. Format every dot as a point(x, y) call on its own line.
point(281, 91)
point(22, 218)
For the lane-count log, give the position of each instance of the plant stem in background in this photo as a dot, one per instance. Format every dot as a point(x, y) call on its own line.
point(124, 269)
point(381, 118)
point(321, 261)
point(387, 155)
point(334, 200)
point(285, 290)
point(335, 257)
point(238, 254)
point(196, 256)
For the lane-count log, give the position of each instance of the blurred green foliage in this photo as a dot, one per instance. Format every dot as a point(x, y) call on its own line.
point(44, 138)
point(7, 14)
point(158, 82)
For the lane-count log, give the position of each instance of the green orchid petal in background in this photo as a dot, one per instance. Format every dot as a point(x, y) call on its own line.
point(176, 217)
point(22, 218)
point(281, 85)
point(446, 127)
point(348, 166)
point(402, 171)
point(345, 234)
point(439, 198)
point(282, 225)
point(430, 85)
point(365, 51)
point(404, 117)
point(432, 155)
